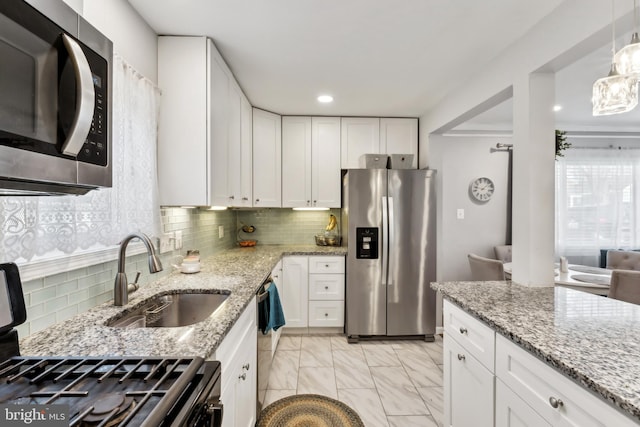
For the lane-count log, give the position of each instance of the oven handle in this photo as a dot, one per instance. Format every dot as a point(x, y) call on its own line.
point(263, 292)
point(85, 98)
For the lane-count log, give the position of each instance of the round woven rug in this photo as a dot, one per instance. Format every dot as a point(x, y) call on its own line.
point(308, 410)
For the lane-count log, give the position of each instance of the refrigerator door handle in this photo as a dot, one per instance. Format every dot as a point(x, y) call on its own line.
point(390, 239)
point(385, 237)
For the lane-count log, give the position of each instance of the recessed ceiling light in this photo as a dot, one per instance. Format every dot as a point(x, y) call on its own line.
point(325, 99)
point(557, 107)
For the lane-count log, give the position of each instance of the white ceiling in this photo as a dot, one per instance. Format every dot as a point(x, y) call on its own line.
point(376, 57)
point(573, 92)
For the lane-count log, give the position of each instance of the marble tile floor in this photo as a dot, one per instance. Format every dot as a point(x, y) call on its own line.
point(389, 383)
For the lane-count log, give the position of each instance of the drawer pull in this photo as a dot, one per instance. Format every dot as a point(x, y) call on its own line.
point(326, 265)
point(461, 356)
point(326, 315)
point(242, 377)
point(326, 288)
point(463, 330)
point(246, 367)
point(555, 403)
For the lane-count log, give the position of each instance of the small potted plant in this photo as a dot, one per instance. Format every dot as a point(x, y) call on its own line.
point(561, 143)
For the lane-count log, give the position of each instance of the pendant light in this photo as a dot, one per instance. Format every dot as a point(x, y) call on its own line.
point(616, 93)
point(628, 58)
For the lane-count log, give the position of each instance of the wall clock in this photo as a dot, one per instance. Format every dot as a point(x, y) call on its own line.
point(481, 189)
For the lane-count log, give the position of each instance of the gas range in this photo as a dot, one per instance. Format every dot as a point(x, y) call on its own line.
point(116, 391)
point(100, 391)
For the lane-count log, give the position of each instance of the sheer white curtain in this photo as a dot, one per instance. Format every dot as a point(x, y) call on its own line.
point(597, 201)
point(35, 228)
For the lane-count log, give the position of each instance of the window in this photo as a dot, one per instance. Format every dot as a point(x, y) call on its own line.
point(597, 201)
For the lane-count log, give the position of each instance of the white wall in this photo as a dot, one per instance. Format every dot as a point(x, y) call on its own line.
point(132, 37)
point(458, 161)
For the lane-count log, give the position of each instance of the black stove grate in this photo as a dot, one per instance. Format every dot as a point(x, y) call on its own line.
point(101, 391)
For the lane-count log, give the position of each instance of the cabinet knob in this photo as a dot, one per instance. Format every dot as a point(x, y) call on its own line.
point(461, 356)
point(308, 202)
point(463, 330)
point(314, 202)
point(326, 288)
point(326, 265)
point(555, 403)
point(257, 200)
point(245, 198)
point(242, 377)
point(326, 315)
point(246, 367)
point(231, 197)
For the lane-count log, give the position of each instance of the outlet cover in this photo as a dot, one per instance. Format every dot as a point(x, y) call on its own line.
point(460, 213)
point(178, 241)
point(166, 242)
point(220, 231)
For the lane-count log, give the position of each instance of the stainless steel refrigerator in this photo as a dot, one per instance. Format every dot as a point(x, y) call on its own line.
point(389, 225)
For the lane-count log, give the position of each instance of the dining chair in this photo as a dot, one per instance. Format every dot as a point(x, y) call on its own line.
point(625, 286)
point(503, 252)
point(485, 268)
point(623, 260)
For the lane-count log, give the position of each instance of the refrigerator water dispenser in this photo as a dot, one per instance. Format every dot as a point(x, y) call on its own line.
point(367, 242)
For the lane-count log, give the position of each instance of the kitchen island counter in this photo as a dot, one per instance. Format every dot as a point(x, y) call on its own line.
point(238, 271)
point(593, 340)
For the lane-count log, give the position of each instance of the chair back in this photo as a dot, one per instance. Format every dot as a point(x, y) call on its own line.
point(485, 268)
point(625, 286)
point(623, 260)
point(503, 252)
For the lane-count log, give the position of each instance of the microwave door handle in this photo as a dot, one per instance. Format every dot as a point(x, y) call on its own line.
point(85, 98)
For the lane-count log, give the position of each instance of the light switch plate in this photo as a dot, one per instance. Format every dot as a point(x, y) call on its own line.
point(166, 242)
point(178, 240)
point(220, 231)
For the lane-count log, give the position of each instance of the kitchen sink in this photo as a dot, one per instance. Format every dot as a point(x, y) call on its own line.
point(169, 311)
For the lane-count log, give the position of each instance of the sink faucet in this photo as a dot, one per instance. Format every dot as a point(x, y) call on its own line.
point(121, 287)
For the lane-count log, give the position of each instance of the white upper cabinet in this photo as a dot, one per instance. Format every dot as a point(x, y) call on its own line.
point(310, 162)
point(377, 136)
point(399, 136)
point(246, 154)
point(360, 135)
point(267, 159)
point(325, 162)
point(183, 163)
point(200, 138)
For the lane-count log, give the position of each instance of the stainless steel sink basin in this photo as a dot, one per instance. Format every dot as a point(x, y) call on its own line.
point(170, 311)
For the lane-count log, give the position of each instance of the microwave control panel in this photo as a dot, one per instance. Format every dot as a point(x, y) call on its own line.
point(367, 242)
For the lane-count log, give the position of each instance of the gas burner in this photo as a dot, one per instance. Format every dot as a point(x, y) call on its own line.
point(110, 407)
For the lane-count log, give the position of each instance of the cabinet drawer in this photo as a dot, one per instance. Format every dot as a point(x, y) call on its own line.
point(326, 286)
point(513, 411)
point(476, 337)
point(326, 313)
point(537, 384)
point(326, 264)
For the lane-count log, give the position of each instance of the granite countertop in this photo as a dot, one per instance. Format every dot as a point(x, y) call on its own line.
point(592, 339)
point(238, 271)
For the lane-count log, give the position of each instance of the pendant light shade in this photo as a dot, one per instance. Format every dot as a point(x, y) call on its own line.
point(628, 58)
point(614, 94)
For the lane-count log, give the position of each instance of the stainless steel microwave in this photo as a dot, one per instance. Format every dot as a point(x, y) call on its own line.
point(55, 100)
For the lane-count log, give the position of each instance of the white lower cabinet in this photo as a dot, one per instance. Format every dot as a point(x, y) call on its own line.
point(238, 356)
point(528, 392)
point(468, 388)
point(512, 411)
point(313, 291)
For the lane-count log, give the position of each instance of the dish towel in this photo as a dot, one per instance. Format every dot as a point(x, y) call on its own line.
point(271, 315)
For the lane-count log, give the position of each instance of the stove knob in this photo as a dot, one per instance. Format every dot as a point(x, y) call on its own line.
point(215, 409)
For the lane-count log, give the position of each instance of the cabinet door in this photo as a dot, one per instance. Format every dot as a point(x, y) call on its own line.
point(399, 136)
point(296, 162)
point(359, 136)
point(468, 388)
point(234, 145)
point(246, 154)
point(246, 384)
point(295, 287)
point(325, 162)
point(511, 411)
point(267, 160)
point(182, 76)
point(218, 128)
